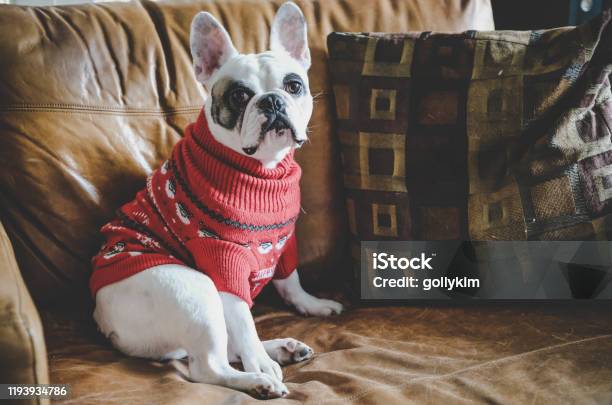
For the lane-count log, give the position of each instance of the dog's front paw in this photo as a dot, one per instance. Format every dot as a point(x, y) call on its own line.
point(260, 362)
point(313, 306)
point(287, 351)
point(267, 387)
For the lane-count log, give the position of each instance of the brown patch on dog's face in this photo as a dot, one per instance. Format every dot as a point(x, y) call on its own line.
point(229, 101)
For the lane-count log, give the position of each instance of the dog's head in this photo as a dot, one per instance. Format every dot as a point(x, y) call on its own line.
point(259, 104)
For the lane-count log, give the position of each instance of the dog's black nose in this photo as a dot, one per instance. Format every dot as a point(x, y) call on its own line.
point(250, 151)
point(271, 104)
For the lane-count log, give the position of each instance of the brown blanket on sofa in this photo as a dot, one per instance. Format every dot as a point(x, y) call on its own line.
point(497, 353)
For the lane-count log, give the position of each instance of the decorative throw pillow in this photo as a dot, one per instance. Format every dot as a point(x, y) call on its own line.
point(476, 136)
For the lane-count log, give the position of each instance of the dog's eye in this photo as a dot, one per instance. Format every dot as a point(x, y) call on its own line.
point(293, 87)
point(240, 97)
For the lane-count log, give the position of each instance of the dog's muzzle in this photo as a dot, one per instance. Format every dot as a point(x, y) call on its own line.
point(274, 108)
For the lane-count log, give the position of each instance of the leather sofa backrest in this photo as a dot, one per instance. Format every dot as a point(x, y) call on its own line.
point(93, 97)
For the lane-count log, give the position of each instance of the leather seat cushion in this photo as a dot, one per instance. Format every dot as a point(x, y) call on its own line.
point(498, 353)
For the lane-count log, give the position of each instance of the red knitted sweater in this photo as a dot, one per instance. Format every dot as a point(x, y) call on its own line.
point(212, 209)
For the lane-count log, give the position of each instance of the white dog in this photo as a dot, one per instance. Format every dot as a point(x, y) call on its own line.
point(258, 106)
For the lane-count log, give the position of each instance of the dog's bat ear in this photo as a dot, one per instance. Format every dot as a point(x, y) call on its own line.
point(288, 34)
point(211, 46)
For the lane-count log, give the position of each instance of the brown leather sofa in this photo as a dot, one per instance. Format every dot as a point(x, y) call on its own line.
point(93, 97)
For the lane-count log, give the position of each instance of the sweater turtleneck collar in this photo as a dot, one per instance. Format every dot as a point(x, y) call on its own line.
point(227, 180)
point(204, 137)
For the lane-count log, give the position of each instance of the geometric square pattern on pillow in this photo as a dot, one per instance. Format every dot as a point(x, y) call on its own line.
point(482, 136)
point(479, 135)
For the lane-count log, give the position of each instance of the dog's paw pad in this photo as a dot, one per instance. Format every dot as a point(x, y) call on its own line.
point(269, 390)
point(288, 350)
point(298, 351)
point(303, 354)
point(263, 391)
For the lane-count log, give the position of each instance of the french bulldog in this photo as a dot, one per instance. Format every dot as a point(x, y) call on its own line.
point(258, 106)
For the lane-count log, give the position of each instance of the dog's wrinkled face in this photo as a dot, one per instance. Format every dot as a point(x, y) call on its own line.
point(259, 104)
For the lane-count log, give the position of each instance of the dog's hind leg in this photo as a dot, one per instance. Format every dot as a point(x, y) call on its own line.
point(172, 308)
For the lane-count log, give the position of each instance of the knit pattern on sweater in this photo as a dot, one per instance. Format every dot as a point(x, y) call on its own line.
point(211, 209)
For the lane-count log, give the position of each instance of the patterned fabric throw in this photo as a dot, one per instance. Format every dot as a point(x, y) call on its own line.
point(476, 136)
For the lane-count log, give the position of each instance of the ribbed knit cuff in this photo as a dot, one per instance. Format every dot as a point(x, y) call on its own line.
point(227, 264)
point(288, 261)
